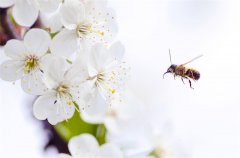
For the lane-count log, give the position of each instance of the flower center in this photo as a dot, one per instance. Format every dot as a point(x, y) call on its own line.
point(31, 63)
point(84, 29)
point(158, 152)
point(102, 82)
point(64, 91)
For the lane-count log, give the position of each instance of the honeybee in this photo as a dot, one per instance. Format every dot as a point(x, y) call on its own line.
point(184, 72)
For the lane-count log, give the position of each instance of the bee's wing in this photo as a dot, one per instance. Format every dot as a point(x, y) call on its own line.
point(193, 59)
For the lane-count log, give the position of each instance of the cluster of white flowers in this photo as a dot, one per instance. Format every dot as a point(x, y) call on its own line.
point(75, 65)
point(26, 12)
point(75, 68)
point(86, 146)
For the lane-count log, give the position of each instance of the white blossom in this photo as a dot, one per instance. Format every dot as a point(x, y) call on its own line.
point(147, 133)
point(25, 12)
point(64, 90)
point(52, 21)
point(85, 22)
point(126, 110)
point(92, 83)
point(107, 74)
point(27, 61)
point(86, 146)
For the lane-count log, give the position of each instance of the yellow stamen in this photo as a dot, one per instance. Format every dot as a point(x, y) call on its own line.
point(100, 79)
point(63, 90)
point(30, 64)
point(83, 29)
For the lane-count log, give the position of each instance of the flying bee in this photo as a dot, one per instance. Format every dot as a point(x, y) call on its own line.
point(184, 72)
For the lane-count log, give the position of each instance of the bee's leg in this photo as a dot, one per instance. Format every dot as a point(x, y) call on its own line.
point(182, 80)
point(190, 83)
point(174, 76)
point(192, 75)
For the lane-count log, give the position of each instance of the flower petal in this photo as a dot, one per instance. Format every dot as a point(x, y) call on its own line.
point(78, 71)
point(117, 51)
point(44, 105)
point(49, 5)
point(52, 108)
point(61, 114)
point(15, 49)
point(55, 71)
point(110, 151)
point(97, 57)
point(94, 107)
point(89, 4)
point(11, 70)
point(53, 22)
point(33, 83)
point(72, 13)
point(64, 43)
point(64, 156)
point(6, 3)
point(24, 13)
point(83, 145)
point(37, 41)
point(103, 22)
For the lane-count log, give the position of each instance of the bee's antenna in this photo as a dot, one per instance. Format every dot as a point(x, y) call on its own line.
point(170, 57)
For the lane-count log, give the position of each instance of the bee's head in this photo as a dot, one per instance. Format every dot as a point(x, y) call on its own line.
point(171, 69)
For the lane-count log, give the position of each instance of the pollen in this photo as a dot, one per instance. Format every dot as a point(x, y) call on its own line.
point(113, 91)
point(69, 102)
point(30, 63)
point(158, 152)
point(84, 29)
point(103, 81)
point(63, 89)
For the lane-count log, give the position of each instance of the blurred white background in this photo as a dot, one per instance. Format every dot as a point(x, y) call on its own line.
point(207, 118)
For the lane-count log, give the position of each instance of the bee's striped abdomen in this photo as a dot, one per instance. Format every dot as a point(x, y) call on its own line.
point(193, 74)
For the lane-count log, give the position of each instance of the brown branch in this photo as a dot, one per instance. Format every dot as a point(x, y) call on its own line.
point(3, 38)
point(54, 140)
point(7, 26)
point(37, 24)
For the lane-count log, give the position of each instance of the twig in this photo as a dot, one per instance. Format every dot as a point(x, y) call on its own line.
point(7, 26)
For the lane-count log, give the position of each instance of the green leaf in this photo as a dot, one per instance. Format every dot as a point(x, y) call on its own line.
point(76, 126)
point(53, 34)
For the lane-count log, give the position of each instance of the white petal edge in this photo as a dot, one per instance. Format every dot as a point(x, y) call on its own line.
point(97, 57)
point(64, 43)
point(82, 145)
point(11, 70)
point(95, 103)
point(110, 150)
point(117, 51)
point(37, 41)
point(72, 13)
point(33, 83)
point(48, 6)
point(55, 71)
point(94, 106)
point(6, 3)
point(24, 13)
point(15, 49)
point(61, 111)
point(54, 22)
point(42, 107)
point(64, 156)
